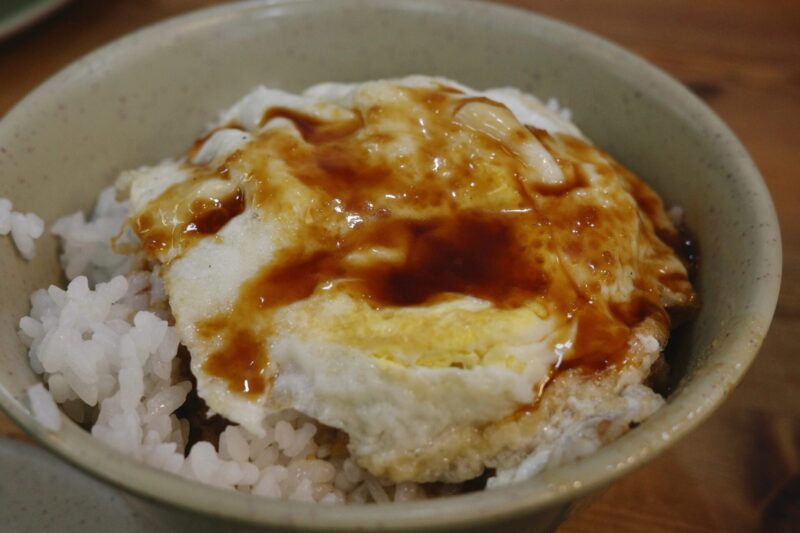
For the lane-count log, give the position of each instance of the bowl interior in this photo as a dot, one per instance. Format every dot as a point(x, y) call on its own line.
point(147, 96)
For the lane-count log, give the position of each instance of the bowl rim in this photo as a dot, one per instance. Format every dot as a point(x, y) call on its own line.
point(685, 410)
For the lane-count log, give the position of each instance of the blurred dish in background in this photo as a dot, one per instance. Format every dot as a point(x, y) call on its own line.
point(16, 15)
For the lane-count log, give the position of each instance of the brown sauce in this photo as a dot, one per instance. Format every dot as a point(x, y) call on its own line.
point(313, 129)
point(189, 220)
point(240, 362)
point(570, 166)
point(599, 341)
point(678, 238)
point(474, 254)
point(438, 208)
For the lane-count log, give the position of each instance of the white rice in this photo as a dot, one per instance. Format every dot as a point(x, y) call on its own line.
point(107, 351)
point(44, 407)
point(24, 228)
point(86, 245)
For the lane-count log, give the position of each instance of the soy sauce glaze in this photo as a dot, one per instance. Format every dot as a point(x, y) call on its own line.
point(188, 220)
point(436, 207)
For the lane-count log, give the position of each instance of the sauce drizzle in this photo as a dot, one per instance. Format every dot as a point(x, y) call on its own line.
point(466, 213)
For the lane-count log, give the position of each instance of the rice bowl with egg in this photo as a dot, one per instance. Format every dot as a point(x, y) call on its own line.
point(520, 381)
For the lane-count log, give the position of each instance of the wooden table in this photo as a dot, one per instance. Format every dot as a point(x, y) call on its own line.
point(743, 58)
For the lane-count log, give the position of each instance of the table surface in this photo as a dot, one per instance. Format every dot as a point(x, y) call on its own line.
point(743, 58)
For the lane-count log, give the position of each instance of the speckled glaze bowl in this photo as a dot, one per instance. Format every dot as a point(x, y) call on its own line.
point(146, 96)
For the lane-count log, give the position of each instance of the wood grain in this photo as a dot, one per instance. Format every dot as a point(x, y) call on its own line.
point(741, 56)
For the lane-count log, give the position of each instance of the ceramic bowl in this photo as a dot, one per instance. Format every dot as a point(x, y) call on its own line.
point(147, 95)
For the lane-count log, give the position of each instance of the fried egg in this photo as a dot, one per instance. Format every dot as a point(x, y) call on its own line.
point(413, 262)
